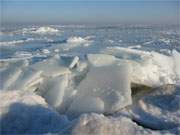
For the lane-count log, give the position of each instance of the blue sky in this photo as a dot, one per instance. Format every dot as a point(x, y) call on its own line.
point(94, 11)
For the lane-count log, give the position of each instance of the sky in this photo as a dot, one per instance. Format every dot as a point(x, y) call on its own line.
point(90, 12)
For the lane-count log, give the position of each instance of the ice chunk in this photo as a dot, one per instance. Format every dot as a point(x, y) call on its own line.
point(126, 53)
point(154, 70)
point(110, 84)
point(9, 75)
point(74, 62)
point(27, 78)
point(176, 57)
point(70, 61)
point(52, 67)
point(148, 68)
point(55, 89)
point(100, 59)
point(87, 104)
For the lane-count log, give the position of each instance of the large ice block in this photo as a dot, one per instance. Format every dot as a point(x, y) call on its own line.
point(52, 67)
point(100, 59)
point(27, 78)
point(107, 86)
point(54, 90)
point(11, 73)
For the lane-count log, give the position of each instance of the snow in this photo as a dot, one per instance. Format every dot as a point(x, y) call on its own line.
point(98, 124)
point(28, 113)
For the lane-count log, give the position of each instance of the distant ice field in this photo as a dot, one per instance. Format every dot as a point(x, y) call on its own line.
point(32, 40)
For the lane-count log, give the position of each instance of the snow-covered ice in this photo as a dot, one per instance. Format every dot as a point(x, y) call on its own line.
point(28, 113)
point(89, 80)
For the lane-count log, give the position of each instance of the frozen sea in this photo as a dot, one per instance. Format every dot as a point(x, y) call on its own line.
point(90, 80)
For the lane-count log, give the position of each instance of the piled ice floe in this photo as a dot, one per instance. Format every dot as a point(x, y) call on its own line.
point(99, 83)
point(149, 68)
point(106, 84)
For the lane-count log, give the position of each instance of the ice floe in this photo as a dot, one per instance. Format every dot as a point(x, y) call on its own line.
point(149, 68)
point(99, 83)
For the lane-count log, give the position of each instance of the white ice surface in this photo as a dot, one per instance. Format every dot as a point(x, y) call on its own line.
point(52, 67)
point(11, 73)
point(108, 85)
point(149, 68)
point(176, 57)
point(27, 79)
point(55, 89)
point(100, 59)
